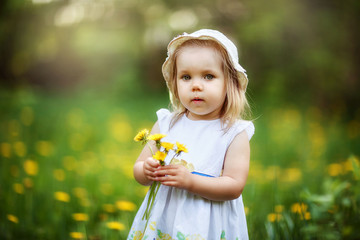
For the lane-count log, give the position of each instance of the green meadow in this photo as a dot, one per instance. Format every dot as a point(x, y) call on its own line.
point(66, 170)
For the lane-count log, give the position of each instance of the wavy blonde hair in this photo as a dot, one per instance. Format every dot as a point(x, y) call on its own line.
point(235, 105)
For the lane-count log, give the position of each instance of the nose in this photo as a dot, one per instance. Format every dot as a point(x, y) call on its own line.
point(197, 85)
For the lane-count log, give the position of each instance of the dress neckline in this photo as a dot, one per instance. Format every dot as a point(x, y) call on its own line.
point(200, 121)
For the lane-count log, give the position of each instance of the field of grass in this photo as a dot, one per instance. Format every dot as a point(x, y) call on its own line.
point(66, 169)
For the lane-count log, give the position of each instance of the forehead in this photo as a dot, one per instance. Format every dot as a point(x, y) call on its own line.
point(191, 53)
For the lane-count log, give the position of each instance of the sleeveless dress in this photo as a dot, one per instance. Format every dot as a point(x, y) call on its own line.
point(179, 214)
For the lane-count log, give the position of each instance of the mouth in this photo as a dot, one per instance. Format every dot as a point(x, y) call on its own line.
point(197, 99)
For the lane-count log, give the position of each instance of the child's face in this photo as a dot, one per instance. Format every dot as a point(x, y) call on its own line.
point(200, 82)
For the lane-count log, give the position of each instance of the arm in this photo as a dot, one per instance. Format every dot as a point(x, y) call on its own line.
point(145, 165)
point(227, 187)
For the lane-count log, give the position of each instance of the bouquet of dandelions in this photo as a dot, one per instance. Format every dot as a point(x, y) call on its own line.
point(163, 150)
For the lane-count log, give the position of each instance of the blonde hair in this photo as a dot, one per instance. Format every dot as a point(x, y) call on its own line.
point(235, 105)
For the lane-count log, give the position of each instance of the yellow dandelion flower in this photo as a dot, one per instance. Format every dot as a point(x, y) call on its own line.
point(335, 169)
point(69, 163)
point(18, 188)
point(85, 202)
point(59, 175)
point(115, 225)
point(77, 235)
point(180, 148)
point(142, 136)
point(167, 146)
point(80, 217)
point(279, 208)
point(28, 182)
point(62, 196)
point(159, 156)
point(125, 206)
point(156, 137)
point(109, 208)
point(6, 150)
point(31, 167)
point(12, 218)
point(20, 148)
point(272, 217)
point(291, 175)
point(80, 192)
point(44, 148)
point(299, 208)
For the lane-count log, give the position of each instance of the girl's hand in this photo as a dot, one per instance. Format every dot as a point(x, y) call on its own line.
point(150, 166)
point(174, 176)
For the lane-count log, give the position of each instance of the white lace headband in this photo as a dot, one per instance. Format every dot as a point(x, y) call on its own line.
point(204, 34)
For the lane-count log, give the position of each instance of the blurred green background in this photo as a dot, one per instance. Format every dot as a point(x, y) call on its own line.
point(78, 79)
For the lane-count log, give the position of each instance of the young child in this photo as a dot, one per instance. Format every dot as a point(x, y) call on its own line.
point(207, 91)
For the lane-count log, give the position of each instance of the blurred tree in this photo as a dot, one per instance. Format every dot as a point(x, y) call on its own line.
point(296, 52)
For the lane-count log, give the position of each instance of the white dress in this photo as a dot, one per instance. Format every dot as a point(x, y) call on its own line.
point(178, 214)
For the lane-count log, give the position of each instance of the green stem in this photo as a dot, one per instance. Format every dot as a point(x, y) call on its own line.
point(150, 149)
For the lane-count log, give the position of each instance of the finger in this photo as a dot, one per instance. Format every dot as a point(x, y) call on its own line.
point(164, 178)
point(160, 173)
point(171, 166)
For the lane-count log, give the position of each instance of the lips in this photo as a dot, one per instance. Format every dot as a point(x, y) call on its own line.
point(197, 100)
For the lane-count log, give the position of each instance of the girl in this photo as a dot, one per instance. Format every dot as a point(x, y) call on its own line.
point(207, 92)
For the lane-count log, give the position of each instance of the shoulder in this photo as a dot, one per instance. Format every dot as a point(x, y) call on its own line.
point(164, 119)
point(162, 113)
point(243, 126)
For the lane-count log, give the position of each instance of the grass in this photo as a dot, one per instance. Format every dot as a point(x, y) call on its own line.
point(66, 169)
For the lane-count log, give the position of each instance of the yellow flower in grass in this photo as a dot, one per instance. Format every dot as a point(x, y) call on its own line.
point(167, 146)
point(5, 149)
point(272, 217)
point(31, 167)
point(62, 196)
point(80, 217)
point(115, 225)
point(159, 156)
point(77, 235)
point(18, 188)
point(142, 136)
point(279, 208)
point(299, 208)
point(12, 218)
point(59, 175)
point(125, 206)
point(109, 208)
point(20, 148)
point(180, 148)
point(28, 182)
point(302, 210)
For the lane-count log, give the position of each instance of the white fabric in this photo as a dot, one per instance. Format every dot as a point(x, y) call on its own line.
point(178, 213)
point(203, 34)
